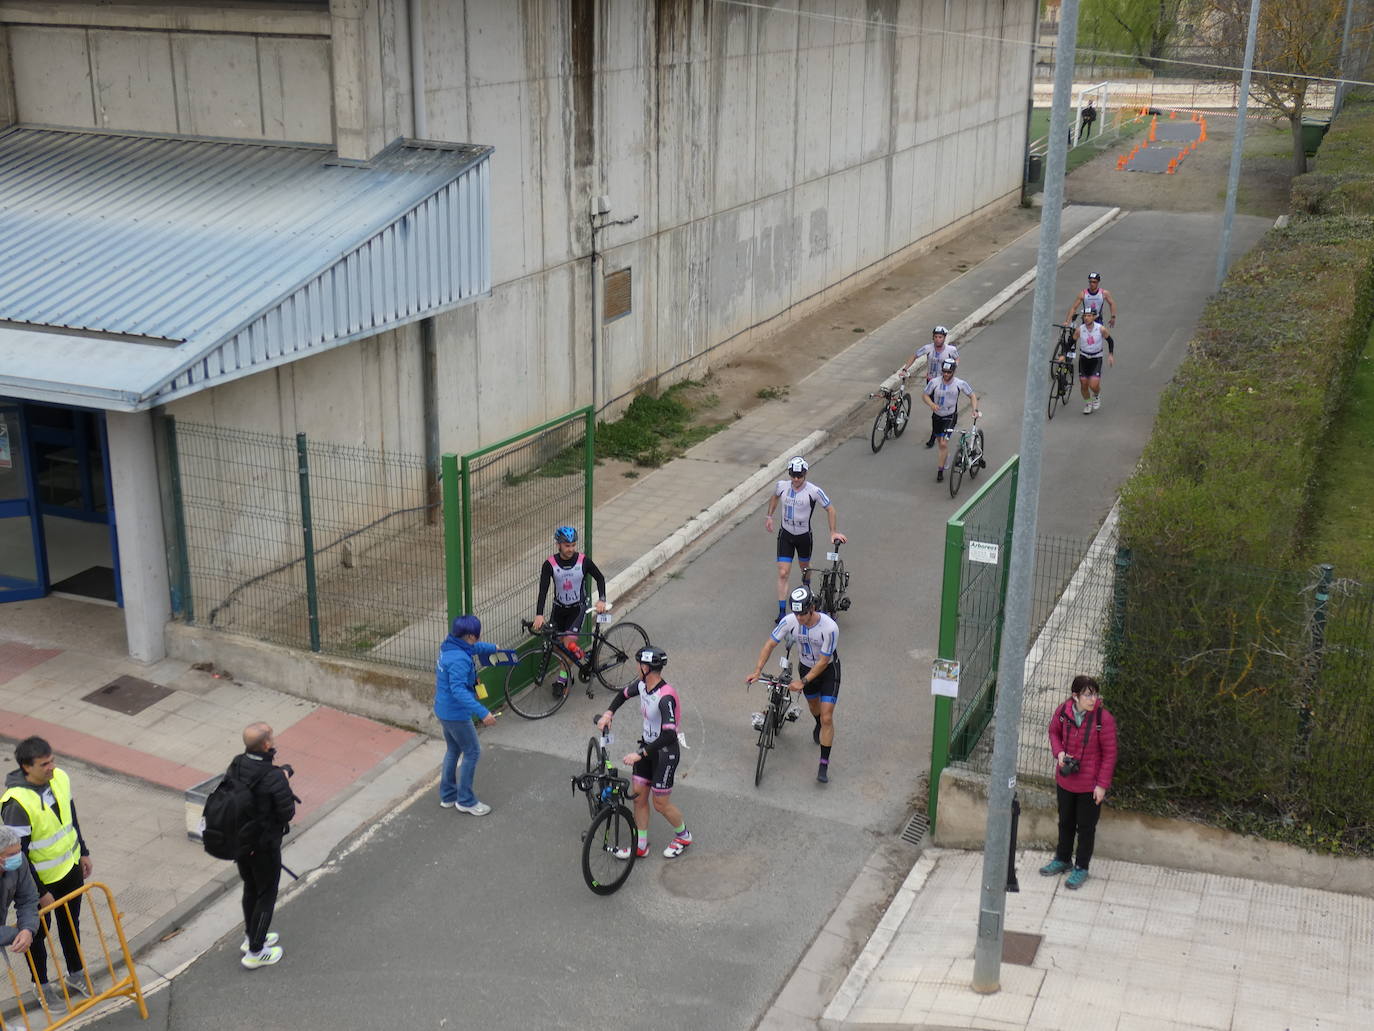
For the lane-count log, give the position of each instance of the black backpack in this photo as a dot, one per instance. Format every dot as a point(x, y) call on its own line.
point(230, 824)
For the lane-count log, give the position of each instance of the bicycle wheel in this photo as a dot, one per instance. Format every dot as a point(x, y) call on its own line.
point(906, 416)
point(530, 683)
point(613, 658)
point(879, 435)
point(612, 831)
point(956, 468)
point(976, 464)
point(825, 596)
point(841, 587)
point(766, 735)
point(596, 763)
point(1056, 392)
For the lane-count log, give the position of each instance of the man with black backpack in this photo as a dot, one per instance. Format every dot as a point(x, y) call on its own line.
point(245, 820)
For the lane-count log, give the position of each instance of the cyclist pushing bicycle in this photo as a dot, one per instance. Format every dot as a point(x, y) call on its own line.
point(935, 353)
point(817, 637)
point(656, 761)
point(566, 572)
point(942, 398)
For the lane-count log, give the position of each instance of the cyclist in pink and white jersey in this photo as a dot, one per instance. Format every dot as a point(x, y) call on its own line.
point(654, 765)
point(566, 572)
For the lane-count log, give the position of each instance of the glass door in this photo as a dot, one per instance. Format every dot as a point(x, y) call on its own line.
point(23, 567)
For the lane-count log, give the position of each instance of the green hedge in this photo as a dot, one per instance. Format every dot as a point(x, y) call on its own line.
point(1228, 469)
point(1343, 182)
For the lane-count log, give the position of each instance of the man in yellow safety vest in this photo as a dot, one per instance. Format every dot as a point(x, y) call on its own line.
point(38, 806)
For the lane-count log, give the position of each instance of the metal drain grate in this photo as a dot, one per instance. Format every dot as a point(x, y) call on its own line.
point(916, 828)
point(129, 695)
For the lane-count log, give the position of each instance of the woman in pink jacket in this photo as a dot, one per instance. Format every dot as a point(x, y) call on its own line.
point(1083, 741)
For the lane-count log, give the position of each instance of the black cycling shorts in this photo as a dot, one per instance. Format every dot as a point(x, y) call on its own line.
point(943, 425)
point(826, 687)
point(567, 618)
point(657, 770)
point(794, 543)
point(1089, 367)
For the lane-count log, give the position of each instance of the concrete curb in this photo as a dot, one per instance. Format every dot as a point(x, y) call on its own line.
point(675, 543)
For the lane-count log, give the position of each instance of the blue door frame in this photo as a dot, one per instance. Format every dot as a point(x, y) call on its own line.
point(17, 506)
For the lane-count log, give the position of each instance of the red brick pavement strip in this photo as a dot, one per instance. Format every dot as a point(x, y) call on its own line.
point(102, 753)
point(16, 658)
point(329, 750)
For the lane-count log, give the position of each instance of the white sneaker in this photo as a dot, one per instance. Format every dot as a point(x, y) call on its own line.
point(265, 958)
point(1088, 408)
point(272, 938)
point(480, 809)
point(1097, 403)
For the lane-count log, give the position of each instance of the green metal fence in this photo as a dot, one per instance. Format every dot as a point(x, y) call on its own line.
point(349, 551)
point(977, 558)
point(307, 544)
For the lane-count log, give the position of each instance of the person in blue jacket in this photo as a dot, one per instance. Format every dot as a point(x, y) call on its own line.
point(456, 705)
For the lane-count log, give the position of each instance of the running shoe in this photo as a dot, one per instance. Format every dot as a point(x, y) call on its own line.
point(939, 476)
point(823, 773)
point(265, 958)
point(679, 845)
point(640, 851)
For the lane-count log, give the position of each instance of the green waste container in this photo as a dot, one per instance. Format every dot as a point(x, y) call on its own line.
point(1312, 133)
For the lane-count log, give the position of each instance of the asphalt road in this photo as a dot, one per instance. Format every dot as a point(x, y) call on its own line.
point(437, 920)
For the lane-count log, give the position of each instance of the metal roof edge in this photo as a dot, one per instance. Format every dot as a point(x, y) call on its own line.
point(229, 330)
point(152, 398)
point(171, 137)
point(66, 394)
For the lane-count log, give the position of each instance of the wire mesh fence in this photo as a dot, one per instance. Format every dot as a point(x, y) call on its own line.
point(371, 585)
point(518, 492)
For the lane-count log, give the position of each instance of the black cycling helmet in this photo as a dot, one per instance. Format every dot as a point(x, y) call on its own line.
point(948, 365)
point(565, 535)
point(1090, 311)
point(1094, 277)
point(654, 658)
point(801, 600)
point(941, 330)
point(797, 466)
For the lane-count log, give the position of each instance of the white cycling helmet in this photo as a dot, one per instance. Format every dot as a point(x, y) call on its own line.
point(797, 466)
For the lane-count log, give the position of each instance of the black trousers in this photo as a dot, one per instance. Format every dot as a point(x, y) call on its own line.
point(260, 872)
point(1078, 815)
point(65, 934)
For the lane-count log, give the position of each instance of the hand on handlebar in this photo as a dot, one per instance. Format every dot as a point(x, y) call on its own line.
point(536, 623)
point(753, 676)
point(838, 538)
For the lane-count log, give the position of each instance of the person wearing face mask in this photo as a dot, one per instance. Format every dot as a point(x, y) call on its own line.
point(38, 806)
point(260, 869)
point(16, 889)
point(1083, 741)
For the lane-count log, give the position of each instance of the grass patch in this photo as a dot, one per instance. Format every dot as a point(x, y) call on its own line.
point(1092, 147)
point(1343, 532)
point(654, 430)
point(773, 393)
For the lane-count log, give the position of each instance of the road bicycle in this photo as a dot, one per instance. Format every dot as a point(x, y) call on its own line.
point(968, 456)
point(608, 846)
point(1061, 368)
point(894, 415)
point(832, 597)
point(538, 682)
point(609, 843)
point(779, 710)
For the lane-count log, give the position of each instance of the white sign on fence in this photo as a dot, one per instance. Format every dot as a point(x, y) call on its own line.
point(982, 551)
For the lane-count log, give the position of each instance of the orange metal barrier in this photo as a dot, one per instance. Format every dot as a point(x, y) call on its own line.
point(114, 978)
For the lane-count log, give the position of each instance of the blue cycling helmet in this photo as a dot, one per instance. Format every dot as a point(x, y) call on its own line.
point(565, 535)
point(464, 625)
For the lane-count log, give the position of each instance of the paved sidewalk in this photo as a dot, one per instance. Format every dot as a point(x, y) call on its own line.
point(129, 772)
point(1137, 948)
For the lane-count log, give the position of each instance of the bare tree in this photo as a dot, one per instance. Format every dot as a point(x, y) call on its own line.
point(1298, 41)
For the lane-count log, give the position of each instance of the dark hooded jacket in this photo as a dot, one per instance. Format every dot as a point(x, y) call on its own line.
point(271, 792)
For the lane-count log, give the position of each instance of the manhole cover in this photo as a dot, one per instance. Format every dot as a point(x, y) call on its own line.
point(1020, 948)
point(709, 878)
point(128, 695)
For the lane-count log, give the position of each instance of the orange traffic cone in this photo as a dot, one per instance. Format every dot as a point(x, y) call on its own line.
point(1172, 113)
point(1173, 165)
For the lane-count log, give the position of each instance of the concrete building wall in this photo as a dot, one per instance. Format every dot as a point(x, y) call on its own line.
point(772, 161)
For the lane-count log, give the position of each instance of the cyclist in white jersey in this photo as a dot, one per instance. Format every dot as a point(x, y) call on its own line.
point(942, 398)
point(566, 573)
point(798, 499)
point(1094, 297)
point(816, 637)
point(1090, 337)
point(935, 354)
point(659, 752)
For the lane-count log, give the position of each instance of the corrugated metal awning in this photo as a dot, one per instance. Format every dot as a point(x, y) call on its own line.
point(135, 269)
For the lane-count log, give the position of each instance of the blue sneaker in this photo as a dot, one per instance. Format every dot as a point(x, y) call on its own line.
point(1076, 879)
point(1054, 868)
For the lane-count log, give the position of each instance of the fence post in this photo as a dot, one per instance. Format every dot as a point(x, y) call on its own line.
point(465, 513)
point(589, 474)
point(1314, 661)
point(181, 593)
point(949, 639)
point(453, 537)
point(312, 598)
